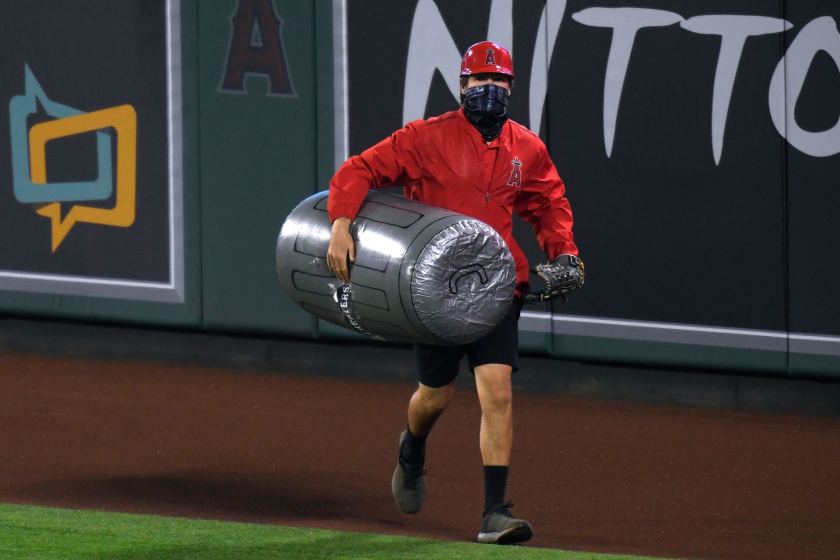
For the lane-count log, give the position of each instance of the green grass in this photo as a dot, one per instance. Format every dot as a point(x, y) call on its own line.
point(28, 532)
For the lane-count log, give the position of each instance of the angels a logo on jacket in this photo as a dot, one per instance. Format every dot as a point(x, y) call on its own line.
point(491, 58)
point(516, 173)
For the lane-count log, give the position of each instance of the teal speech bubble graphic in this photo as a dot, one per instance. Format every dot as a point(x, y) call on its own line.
point(28, 192)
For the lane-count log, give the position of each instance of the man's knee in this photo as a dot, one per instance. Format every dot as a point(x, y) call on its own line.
point(500, 397)
point(435, 400)
point(495, 388)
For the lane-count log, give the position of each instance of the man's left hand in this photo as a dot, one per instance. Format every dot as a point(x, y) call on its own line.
point(561, 275)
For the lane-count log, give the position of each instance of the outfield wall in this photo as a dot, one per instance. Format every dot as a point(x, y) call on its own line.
point(698, 142)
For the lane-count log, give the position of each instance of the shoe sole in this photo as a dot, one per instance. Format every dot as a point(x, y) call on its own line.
point(513, 535)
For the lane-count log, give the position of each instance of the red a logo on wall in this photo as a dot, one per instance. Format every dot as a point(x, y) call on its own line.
point(256, 48)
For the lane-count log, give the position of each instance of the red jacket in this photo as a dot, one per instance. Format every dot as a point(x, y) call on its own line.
point(445, 162)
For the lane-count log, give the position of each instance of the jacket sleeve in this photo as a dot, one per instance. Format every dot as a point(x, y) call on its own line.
point(541, 202)
point(394, 161)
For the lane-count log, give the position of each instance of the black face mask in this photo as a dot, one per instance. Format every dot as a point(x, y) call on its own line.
point(486, 108)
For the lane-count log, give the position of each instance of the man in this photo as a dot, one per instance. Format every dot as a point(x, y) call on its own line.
point(477, 162)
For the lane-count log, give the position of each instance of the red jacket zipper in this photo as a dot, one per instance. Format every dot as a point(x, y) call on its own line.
point(492, 174)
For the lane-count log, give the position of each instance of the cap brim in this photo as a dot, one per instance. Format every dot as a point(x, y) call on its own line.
point(488, 70)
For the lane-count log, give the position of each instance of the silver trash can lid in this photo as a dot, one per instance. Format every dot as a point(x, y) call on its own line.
point(463, 282)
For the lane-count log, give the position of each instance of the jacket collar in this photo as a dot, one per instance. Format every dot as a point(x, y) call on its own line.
point(502, 140)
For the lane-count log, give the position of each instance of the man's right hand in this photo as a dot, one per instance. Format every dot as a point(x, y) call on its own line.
point(341, 245)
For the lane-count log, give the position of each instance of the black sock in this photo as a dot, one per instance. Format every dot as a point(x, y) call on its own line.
point(495, 485)
point(413, 449)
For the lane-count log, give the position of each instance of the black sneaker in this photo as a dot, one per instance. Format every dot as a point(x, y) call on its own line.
point(498, 526)
point(408, 485)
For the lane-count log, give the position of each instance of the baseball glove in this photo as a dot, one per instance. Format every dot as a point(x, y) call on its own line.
point(561, 275)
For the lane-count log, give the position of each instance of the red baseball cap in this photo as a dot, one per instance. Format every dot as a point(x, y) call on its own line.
point(487, 57)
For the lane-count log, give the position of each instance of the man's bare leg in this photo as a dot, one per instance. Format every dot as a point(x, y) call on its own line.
point(495, 395)
point(426, 406)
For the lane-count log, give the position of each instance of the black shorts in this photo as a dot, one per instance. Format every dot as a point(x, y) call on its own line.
point(437, 366)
